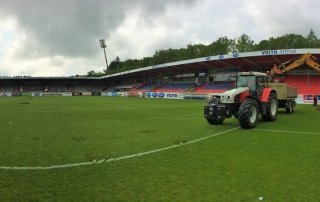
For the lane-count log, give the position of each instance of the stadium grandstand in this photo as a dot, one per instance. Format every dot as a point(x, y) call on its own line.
point(195, 78)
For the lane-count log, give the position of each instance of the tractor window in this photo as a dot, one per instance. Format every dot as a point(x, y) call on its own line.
point(247, 81)
point(261, 82)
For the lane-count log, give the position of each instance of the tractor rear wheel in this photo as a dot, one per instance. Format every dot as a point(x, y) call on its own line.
point(272, 108)
point(248, 114)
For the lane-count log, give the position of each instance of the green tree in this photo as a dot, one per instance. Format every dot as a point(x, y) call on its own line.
point(312, 40)
point(115, 64)
point(288, 41)
point(244, 44)
point(91, 73)
point(222, 45)
point(263, 45)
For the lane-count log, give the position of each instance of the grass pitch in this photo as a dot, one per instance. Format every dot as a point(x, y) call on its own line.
point(279, 163)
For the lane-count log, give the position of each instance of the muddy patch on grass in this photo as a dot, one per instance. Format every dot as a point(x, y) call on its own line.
point(180, 141)
point(79, 139)
point(98, 158)
point(147, 131)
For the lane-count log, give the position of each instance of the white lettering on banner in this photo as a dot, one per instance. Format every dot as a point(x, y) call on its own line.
point(171, 95)
point(37, 94)
point(279, 52)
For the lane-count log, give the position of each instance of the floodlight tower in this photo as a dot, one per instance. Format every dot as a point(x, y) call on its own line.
point(104, 46)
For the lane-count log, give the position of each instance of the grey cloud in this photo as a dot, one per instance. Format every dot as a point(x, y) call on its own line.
point(72, 28)
point(64, 33)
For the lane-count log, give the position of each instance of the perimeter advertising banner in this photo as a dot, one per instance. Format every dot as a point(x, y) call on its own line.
point(197, 96)
point(123, 94)
point(299, 99)
point(26, 94)
point(95, 93)
point(111, 94)
point(134, 94)
point(166, 95)
point(86, 93)
point(6, 94)
point(52, 94)
point(306, 99)
point(76, 94)
point(17, 94)
point(37, 94)
point(66, 94)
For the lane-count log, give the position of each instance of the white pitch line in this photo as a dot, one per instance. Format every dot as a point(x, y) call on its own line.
point(111, 159)
point(285, 131)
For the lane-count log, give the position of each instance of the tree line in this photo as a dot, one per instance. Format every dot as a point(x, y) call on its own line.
point(222, 45)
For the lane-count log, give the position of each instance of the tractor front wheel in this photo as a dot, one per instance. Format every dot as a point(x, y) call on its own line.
point(214, 122)
point(248, 114)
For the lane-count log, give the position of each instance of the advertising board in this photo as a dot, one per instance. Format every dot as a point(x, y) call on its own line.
point(36, 94)
point(165, 95)
point(86, 93)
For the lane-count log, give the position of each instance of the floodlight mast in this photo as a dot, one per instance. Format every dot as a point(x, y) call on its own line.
point(104, 46)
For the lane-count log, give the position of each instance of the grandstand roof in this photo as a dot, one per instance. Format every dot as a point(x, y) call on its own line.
point(248, 60)
point(264, 59)
point(46, 78)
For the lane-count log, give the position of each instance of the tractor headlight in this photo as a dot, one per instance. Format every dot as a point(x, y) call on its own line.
point(222, 98)
point(225, 98)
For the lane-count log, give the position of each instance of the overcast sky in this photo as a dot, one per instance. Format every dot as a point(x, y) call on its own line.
point(61, 37)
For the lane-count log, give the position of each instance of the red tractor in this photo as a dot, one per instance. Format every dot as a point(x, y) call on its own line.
point(251, 97)
point(254, 96)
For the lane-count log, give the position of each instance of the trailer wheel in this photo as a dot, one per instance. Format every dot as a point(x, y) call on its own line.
point(289, 109)
point(272, 108)
point(248, 114)
point(214, 122)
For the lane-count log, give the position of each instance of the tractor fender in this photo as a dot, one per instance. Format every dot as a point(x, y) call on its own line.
point(265, 94)
point(244, 95)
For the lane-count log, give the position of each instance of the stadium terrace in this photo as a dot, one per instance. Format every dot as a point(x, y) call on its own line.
point(194, 78)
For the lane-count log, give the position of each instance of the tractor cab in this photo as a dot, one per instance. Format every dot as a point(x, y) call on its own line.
point(255, 81)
